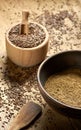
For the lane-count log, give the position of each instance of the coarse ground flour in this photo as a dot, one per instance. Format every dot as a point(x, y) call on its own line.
point(66, 87)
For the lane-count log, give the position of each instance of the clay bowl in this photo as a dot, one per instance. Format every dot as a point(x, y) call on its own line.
point(26, 57)
point(52, 65)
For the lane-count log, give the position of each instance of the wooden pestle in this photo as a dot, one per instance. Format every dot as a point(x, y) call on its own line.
point(24, 25)
point(26, 115)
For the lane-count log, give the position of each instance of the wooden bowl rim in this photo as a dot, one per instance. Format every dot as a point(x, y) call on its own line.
point(33, 48)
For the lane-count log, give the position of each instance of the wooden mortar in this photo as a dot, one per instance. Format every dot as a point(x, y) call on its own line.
point(26, 57)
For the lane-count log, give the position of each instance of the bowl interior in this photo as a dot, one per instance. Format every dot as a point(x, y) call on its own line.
point(58, 63)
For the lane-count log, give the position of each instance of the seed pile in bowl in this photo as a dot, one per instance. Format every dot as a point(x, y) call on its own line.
point(35, 37)
point(66, 87)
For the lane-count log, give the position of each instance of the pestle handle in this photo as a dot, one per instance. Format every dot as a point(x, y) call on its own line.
point(25, 116)
point(24, 25)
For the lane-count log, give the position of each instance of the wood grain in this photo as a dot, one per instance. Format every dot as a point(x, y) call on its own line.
point(27, 57)
point(24, 24)
point(26, 115)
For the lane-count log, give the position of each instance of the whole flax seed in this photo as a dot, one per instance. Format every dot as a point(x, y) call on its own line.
point(34, 38)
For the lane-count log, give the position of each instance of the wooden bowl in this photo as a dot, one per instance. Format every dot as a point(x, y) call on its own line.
point(27, 57)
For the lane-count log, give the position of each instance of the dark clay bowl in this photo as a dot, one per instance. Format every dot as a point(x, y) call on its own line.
point(54, 64)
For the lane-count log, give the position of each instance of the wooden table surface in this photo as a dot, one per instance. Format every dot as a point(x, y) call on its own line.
point(62, 18)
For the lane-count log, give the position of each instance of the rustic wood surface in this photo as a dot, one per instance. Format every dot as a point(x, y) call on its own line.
point(62, 19)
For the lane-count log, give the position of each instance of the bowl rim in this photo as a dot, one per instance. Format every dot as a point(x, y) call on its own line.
point(32, 48)
point(42, 87)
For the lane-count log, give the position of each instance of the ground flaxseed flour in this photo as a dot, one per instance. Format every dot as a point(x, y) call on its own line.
point(66, 87)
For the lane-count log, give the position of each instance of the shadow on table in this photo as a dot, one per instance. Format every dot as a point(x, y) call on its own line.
point(52, 120)
point(18, 74)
